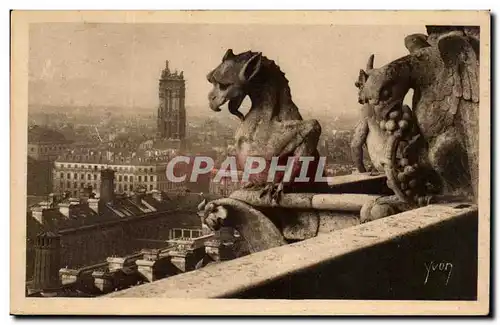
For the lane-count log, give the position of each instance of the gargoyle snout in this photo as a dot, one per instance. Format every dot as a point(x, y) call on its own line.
point(214, 102)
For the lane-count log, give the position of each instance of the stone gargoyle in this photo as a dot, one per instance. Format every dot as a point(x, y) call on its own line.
point(273, 127)
point(443, 71)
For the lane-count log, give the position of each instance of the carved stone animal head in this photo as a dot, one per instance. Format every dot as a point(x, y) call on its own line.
point(231, 78)
point(384, 87)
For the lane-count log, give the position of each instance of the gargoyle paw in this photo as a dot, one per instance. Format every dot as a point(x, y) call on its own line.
point(274, 192)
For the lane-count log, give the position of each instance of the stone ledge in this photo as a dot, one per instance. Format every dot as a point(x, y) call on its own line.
point(232, 277)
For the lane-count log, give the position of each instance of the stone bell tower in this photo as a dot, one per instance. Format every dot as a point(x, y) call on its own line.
point(171, 110)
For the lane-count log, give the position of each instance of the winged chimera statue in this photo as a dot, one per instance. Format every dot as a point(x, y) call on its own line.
point(443, 71)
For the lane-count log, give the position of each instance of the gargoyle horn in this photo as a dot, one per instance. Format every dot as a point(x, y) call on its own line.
point(369, 64)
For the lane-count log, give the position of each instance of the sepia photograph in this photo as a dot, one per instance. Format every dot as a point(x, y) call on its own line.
point(251, 162)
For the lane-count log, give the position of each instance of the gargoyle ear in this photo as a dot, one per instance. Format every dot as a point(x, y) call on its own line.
point(369, 64)
point(363, 76)
point(229, 54)
point(251, 68)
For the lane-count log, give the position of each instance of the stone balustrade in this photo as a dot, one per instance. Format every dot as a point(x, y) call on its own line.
point(351, 263)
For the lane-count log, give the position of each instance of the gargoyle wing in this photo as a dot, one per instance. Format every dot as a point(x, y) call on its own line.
point(461, 66)
point(456, 85)
point(416, 42)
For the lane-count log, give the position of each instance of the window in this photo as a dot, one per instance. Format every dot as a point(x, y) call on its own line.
point(131, 187)
point(89, 177)
point(131, 178)
point(139, 178)
point(82, 176)
point(69, 176)
point(151, 178)
point(95, 177)
point(119, 178)
point(151, 187)
point(32, 149)
point(75, 185)
point(75, 176)
point(82, 185)
point(125, 187)
point(95, 167)
point(125, 178)
point(62, 175)
point(151, 169)
point(120, 188)
point(68, 184)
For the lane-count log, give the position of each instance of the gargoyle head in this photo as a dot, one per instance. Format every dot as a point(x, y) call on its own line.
point(385, 87)
point(230, 79)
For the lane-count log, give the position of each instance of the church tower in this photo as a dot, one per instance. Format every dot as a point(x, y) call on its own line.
point(171, 110)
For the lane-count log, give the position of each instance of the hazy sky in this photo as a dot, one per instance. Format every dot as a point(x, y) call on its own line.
point(119, 64)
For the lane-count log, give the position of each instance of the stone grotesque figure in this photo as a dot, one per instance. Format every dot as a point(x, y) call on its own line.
point(443, 70)
point(374, 132)
point(273, 127)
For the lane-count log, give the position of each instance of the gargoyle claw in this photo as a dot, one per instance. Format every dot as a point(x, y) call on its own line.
point(250, 186)
point(273, 191)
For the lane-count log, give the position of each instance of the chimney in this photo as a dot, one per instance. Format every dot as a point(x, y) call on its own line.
point(139, 195)
point(86, 193)
point(93, 204)
point(107, 191)
point(47, 263)
point(37, 213)
point(64, 208)
point(157, 195)
point(52, 201)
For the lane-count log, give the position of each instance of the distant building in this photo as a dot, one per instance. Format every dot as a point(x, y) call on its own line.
point(171, 109)
point(76, 171)
point(44, 146)
point(93, 227)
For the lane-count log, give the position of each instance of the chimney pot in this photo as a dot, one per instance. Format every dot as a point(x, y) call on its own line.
point(47, 260)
